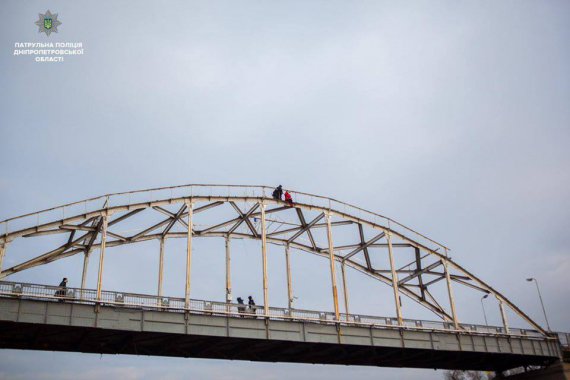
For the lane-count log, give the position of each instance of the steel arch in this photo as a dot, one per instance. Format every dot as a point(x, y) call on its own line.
point(102, 213)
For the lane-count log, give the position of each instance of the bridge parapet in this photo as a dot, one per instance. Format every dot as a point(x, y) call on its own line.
point(177, 304)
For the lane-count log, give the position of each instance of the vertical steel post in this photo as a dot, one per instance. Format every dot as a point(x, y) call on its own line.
point(503, 315)
point(345, 289)
point(450, 293)
point(84, 273)
point(190, 207)
point(394, 279)
point(289, 282)
point(264, 258)
point(102, 257)
point(161, 267)
point(3, 246)
point(228, 272)
point(333, 267)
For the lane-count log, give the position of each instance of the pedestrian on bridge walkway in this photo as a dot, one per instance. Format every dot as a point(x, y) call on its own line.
point(252, 307)
point(62, 289)
point(241, 306)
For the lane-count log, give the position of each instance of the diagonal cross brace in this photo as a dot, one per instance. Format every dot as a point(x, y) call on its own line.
point(318, 225)
point(174, 219)
point(365, 245)
point(419, 267)
point(244, 218)
point(46, 256)
point(152, 228)
point(306, 228)
point(420, 272)
point(98, 223)
point(123, 217)
point(185, 213)
point(365, 249)
point(404, 289)
point(213, 228)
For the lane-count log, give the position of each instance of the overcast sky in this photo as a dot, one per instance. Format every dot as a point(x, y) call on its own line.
point(451, 117)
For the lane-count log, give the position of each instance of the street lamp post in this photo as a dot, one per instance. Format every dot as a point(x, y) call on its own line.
point(540, 297)
point(483, 307)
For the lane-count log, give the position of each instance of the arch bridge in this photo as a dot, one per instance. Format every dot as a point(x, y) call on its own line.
point(33, 316)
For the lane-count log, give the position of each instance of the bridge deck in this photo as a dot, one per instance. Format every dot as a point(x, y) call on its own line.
point(73, 325)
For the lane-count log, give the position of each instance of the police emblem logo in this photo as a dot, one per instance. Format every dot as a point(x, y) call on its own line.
point(48, 23)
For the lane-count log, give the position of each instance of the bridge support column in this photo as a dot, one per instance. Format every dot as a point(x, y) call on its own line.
point(345, 289)
point(161, 267)
point(503, 315)
point(264, 258)
point(450, 293)
point(333, 267)
point(190, 207)
point(228, 271)
point(289, 280)
point(84, 273)
point(394, 279)
point(102, 256)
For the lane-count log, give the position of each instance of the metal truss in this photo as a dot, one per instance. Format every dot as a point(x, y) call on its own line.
point(260, 218)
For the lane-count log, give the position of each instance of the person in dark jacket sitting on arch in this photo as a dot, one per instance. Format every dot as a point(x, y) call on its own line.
point(278, 193)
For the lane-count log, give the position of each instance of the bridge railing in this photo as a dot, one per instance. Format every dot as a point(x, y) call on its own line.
point(176, 304)
point(564, 339)
point(199, 190)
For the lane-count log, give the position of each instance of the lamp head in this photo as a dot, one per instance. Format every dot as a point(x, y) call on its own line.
point(486, 295)
point(530, 279)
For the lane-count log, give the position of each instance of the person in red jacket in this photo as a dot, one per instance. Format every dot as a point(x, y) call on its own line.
point(288, 198)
